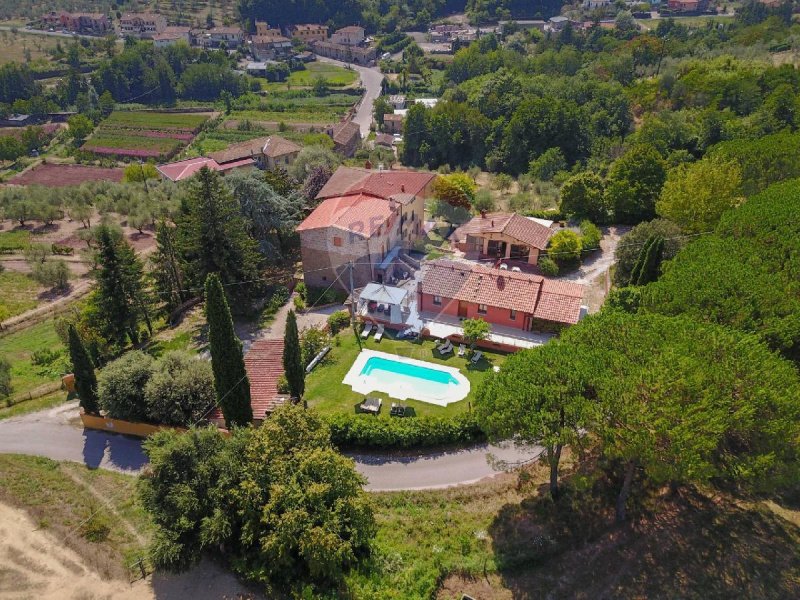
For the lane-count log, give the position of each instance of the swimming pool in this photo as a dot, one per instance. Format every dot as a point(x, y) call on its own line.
point(406, 378)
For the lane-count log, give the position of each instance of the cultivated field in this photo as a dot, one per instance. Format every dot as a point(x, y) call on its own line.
point(52, 175)
point(333, 75)
point(144, 134)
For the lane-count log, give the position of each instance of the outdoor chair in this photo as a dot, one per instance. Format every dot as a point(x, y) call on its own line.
point(448, 348)
point(478, 355)
point(367, 330)
point(371, 405)
point(379, 333)
point(462, 350)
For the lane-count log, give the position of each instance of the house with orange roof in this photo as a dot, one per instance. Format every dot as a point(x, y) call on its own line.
point(365, 217)
point(505, 236)
point(514, 303)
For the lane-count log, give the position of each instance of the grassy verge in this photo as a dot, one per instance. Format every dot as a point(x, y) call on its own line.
point(321, 116)
point(96, 512)
point(19, 347)
point(334, 76)
point(18, 292)
point(37, 404)
point(326, 392)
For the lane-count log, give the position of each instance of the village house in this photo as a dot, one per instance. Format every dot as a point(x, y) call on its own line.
point(397, 101)
point(141, 25)
point(349, 54)
point(171, 36)
point(384, 140)
point(367, 218)
point(263, 28)
point(265, 152)
point(310, 33)
point(346, 137)
point(232, 37)
point(503, 236)
point(393, 123)
point(450, 291)
point(270, 47)
point(94, 23)
point(352, 35)
point(184, 169)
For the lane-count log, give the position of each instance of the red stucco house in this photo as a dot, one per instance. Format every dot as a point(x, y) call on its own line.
point(465, 290)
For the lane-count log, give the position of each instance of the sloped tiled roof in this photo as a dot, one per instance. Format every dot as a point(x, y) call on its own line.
point(264, 365)
point(344, 132)
point(278, 146)
point(357, 213)
point(383, 184)
point(183, 169)
point(528, 231)
point(557, 301)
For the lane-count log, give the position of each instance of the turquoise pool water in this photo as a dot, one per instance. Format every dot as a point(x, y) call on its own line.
point(378, 366)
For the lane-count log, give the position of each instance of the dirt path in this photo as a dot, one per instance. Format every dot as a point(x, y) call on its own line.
point(78, 290)
point(34, 564)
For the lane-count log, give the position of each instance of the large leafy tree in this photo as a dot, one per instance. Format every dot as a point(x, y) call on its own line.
point(292, 358)
point(630, 246)
point(634, 183)
point(121, 386)
point(695, 195)
point(287, 508)
point(457, 190)
point(167, 271)
point(83, 370)
point(230, 376)
point(213, 238)
point(583, 196)
point(541, 396)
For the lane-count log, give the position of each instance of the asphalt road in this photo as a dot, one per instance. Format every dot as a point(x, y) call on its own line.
point(371, 79)
point(50, 33)
point(57, 434)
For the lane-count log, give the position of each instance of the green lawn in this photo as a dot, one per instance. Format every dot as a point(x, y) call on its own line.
point(18, 293)
point(37, 404)
point(334, 75)
point(19, 347)
point(326, 392)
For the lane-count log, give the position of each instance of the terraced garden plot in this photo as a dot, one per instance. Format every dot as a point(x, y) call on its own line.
point(144, 134)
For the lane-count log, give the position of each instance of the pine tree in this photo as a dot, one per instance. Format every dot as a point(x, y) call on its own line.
point(292, 358)
point(83, 370)
point(167, 271)
point(230, 376)
point(213, 238)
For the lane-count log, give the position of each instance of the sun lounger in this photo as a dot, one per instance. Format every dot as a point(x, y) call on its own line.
point(478, 355)
point(371, 405)
point(379, 333)
point(398, 410)
point(442, 344)
point(367, 330)
point(447, 349)
point(462, 349)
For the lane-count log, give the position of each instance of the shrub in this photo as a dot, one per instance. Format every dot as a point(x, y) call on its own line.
point(180, 390)
point(590, 235)
point(44, 356)
point(278, 299)
point(299, 304)
point(316, 296)
point(548, 266)
point(5, 378)
point(565, 248)
point(625, 298)
point(338, 321)
point(312, 341)
point(121, 386)
point(301, 290)
point(283, 384)
point(366, 431)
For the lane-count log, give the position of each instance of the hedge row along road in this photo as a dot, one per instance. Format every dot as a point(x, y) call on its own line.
point(57, 434)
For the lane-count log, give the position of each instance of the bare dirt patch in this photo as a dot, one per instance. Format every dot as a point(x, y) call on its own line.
point(53, 175)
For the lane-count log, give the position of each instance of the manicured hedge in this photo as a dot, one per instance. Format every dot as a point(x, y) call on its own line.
point(368, 431)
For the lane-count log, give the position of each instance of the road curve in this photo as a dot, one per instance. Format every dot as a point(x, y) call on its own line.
point(57, 434)
point(371, 80)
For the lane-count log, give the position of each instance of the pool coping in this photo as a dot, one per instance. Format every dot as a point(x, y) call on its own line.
point(360, 386)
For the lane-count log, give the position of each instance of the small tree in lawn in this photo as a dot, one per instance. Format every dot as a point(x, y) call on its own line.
point(83, 370)
point(227, 362)
point(292, 358)
point(475, 330)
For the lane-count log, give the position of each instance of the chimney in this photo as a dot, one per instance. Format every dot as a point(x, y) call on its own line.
point(483, 213)
point(403, 187)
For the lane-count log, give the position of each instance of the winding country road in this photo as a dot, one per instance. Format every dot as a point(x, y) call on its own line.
point(371, 81)
point(57, 434)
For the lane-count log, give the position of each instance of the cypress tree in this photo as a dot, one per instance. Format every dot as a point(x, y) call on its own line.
point(638, 266)
point(292, 358)
point(83, 370)
point(652, 260)
point(167, 271)
point(227, 362)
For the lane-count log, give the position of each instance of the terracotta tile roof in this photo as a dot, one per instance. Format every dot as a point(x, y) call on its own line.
point(350, 29)
point(360, 214)
point(393, 117)
point(239, 151)
point(264, 365)
point(183, 169)
point(383, 184)
point(523, 229)
point(225, 30)
point(384, 139)
point(278, 146)
point(235, 164)
point(343, 133)
point(557, 301)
